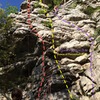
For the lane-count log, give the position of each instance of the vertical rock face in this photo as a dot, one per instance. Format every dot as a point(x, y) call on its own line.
point(68, 65)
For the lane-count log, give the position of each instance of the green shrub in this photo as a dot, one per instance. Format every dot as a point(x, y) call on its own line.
point(97, 32)
point(36, 5)
point(97, 36)
point(11, 9)
point(9, 79)
point(42, 11)
point(79, 1)
point(47, 23)
point(50, 7)
point(90, 10)
point(2, 18)
point(74, 98)
point(57, 2)
point(98, 40)
point(73, 5)
point(6, 42)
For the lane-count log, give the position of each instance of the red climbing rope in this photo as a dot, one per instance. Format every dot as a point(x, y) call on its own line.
point(40, 37)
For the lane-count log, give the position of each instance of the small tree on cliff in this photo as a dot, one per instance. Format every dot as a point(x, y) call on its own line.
point(5, 44)
point(11, 9)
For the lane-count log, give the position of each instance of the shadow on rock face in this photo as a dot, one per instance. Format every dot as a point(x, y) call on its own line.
point(25, 45)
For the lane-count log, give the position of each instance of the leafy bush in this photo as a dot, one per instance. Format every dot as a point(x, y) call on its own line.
point(98, 40)
point(36, 5)
point(11, 9)
point(42, 11)
point(74, 98)
point(5, 22)
point(73, 5)
point(51, 3)
point(47, 23)
point(97, 37)
point(50, 7)
point(98, 31)
point(7, 56)
point(57, 2)
point(6, 42)
point(2, 18)
point(90, 10)
point(79, 1)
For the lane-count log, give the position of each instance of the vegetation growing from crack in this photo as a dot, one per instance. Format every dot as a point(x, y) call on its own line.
point(97, 37)
point(47, 23)
point(42, 11)
point(36, 5)
point(90, 10)
point(75, 98)
point(57, 2)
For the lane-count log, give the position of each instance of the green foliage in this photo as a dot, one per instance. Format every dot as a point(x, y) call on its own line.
point(47, 23)
point(73, 5)
point(97, 35)
point(98, 40)
point(5, 23)
point(97, 8)
point(11, 9)
point(57, 2)
point(98, 31)
point(42, 11)
point(6, 55)
point(50, 7)
point(49, 3)
point(90, 10)
point(79, 1)
point(1, 12)
point(74, 98)
point(10, 77)
point(6, 42)
point(36, 5)
point(2, 18)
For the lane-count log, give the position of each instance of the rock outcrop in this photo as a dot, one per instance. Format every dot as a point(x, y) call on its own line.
point(71, 63)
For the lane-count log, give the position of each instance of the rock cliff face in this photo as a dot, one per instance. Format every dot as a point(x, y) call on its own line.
point(63, 64)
